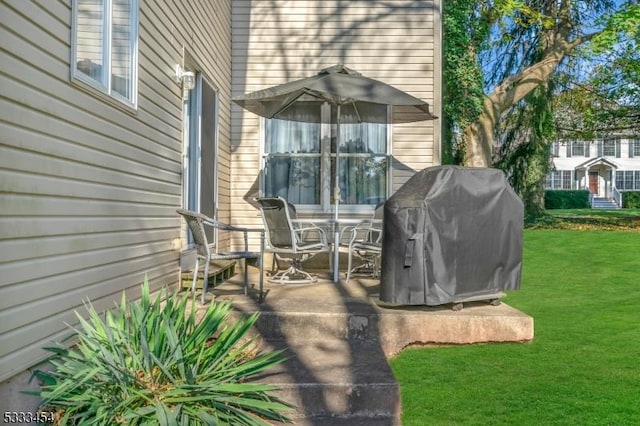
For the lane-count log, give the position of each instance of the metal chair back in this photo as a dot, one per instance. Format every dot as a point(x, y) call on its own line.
point(278, 216)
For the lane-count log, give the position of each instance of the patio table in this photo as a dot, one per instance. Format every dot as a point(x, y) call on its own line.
point(337, 226)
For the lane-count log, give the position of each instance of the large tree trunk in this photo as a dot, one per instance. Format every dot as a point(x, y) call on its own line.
point(478, 137)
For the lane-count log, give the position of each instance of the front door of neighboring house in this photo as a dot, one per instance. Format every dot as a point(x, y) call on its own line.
point(200, 150)
point(593, 183)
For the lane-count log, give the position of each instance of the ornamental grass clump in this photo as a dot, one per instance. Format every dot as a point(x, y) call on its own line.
point(153, 362)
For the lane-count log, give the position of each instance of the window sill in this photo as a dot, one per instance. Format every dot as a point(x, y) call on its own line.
point(92, 90)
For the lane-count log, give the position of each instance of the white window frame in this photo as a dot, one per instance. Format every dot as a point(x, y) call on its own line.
point(605, 147)
point(628, 180)
point(559, 179)
point(104, 84)
point(326, 206)
point(634, 148)
point(578, 149)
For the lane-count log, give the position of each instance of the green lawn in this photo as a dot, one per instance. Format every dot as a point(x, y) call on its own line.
point(583, 367)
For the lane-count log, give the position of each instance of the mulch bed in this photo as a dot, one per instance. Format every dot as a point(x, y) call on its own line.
point(588, 222)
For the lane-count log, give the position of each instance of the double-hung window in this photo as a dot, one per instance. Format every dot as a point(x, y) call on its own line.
point(300, 159)
point(609, 148)
point(579, 149)
point(559, 179)
point(628, 180)
point(104, 49)
point(634, 148)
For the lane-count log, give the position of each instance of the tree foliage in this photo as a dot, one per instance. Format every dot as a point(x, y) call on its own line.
point(526, 52)
point(465, 35)
point(604, 99)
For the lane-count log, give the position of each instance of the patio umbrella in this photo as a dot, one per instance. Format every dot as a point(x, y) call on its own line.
point(357, 100)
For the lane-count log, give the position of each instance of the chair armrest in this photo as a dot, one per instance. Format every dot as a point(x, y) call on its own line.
point(367, 229)
point(226, 227)
point(231, 228)
point(311, 233)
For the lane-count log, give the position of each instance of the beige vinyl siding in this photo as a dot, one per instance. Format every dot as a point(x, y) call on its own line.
point(275, 41)
point(88, 186)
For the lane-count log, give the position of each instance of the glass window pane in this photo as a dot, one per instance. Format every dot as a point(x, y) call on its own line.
point(566, 179)
point(370, 138)
point(283, 136)
point(609, 148)
point(363, 180)
point(628, 184)
point(90, 39)
point(121, 47)
point(578, 148)
point(294, 178)
point(296, 166)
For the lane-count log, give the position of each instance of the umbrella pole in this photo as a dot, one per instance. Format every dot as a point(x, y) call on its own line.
point(336, 201)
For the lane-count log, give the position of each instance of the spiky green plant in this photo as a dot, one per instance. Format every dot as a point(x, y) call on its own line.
point(153, 362)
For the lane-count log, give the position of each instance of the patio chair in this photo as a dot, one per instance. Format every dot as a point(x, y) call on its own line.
point(206, 251)
point(289, 240)
point(365, 244)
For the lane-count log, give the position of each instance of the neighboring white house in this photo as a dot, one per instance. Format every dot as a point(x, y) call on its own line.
point(605, 167)
point(101, 140)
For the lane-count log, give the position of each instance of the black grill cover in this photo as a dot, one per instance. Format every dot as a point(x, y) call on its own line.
point(451, 234)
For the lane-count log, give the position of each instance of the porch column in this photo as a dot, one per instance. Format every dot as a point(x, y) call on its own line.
point(586, 179)
point(613, 178)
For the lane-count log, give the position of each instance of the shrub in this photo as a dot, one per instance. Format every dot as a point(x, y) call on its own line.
point(631, 200)
point(152, 362)
point(566, 199)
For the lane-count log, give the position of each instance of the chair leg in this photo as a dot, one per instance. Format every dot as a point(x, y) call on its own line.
point(274, 264)
point(261, 282)
point(205, 278)
point(195, 277)
point(349, 261)
point(294, 274)
point(261, 296)
point(246, 277)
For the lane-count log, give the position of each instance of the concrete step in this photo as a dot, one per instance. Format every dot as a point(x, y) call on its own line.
point(336, 382)
point(604, 203)
point(337, 372)
point(392, 329)
point(338, 338)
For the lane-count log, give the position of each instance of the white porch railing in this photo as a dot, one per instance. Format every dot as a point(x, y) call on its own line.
point(617, 196)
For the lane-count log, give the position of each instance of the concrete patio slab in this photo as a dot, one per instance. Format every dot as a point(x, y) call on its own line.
point(339, 337)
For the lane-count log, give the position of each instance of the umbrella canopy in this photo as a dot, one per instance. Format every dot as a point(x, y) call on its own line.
point(358, 99)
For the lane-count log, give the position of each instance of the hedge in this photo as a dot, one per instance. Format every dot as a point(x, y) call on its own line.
point(566, 199)
point(631, 200)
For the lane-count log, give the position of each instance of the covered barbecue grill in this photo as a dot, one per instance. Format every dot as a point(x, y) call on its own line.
point(451, 234)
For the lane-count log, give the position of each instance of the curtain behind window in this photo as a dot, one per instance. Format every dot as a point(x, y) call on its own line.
point(363, 163)
point(299, 164)
point(296, 174)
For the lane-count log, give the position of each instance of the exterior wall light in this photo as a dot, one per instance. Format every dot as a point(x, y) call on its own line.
point(187, 79)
